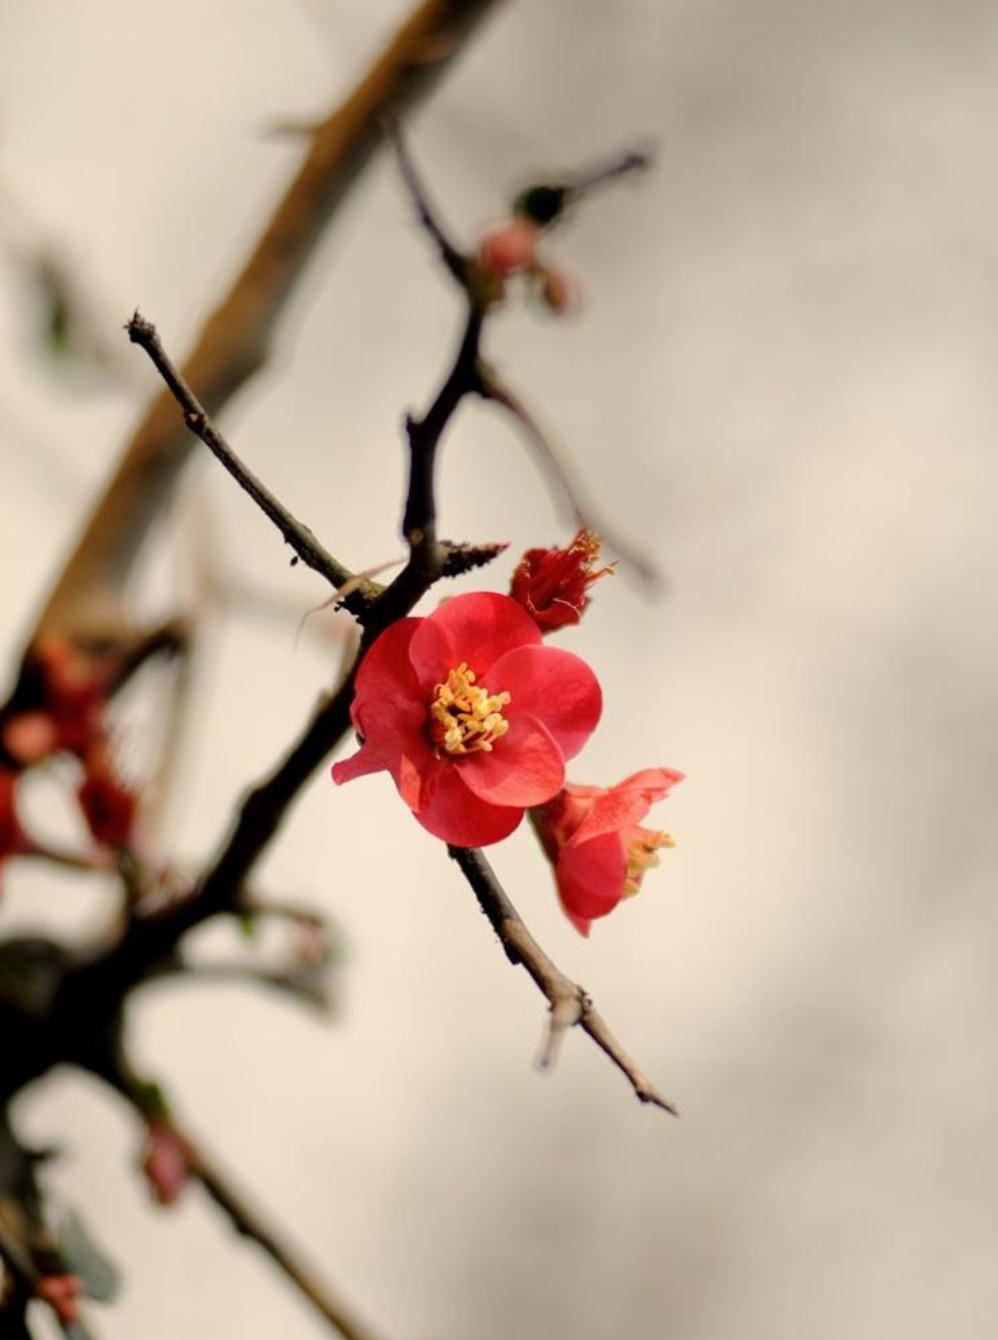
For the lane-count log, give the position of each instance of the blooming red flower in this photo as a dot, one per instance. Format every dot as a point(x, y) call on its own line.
point(593, 839)
point(472, 715)
point(551, 584)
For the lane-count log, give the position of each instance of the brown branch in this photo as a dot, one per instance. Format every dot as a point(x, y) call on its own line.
point(251, 1224)
point(87, 601)
point(248, 1221)
point(298, 536)
point(570, 1004)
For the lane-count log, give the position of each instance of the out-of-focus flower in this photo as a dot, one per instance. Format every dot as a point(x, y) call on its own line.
point(594, 840)
point(108, 805)
point(510, 247)
point(13, 839)
point(62, 1293)
point(165, 1162)
point(472, 715)
point(551, 584)
point(74, 695)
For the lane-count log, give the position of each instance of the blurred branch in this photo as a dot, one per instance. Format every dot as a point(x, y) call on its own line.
point(27, 1251)
point(87, 602)
point(245, 1219)
point(561, 476)
point(452, 258)
point(570, 1005)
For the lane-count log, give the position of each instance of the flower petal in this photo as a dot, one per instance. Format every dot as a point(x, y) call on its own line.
point(457, 816)
point(387, 688)
point(477, 628)
point(526, 766)
point(624, 804)
point(591, 879)
point(406, 756)
point(556, 687)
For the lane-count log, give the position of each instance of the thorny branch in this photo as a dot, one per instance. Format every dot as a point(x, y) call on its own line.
point(486, 382)
point(88, 990)
point(570, 1004)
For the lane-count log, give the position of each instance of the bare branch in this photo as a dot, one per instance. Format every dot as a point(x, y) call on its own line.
point(86, 602)
point(452, 258)
point(570, 1004)
point(247, 1220)
point(560, 476)
point(585, 182)
point(298, 536)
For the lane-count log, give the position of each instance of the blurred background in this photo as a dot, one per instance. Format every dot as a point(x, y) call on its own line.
point(781, 385)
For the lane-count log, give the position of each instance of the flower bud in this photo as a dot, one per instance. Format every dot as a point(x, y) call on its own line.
point(551, 584)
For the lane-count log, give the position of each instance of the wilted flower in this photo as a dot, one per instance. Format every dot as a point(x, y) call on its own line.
point(593, 839)
point(551, 584)
point(472, 715)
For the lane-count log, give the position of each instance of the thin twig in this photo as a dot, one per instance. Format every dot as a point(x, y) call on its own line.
point(251, 1224)
point(560, 476)
point(297, 535)
point(248, 1221)
point(452, 258)
point(292, 980)
point(86, 602)
point(585, 182)
point(570, 1004)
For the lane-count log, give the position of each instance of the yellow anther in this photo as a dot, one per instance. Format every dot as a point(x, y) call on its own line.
point(641, 848)
point(465, 717)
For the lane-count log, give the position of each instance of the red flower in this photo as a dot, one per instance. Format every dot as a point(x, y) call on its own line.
point(166, 1162)
point(551, 584)
point(13, 841)
point(107, 804)
point(472, 716)
point(592, 838)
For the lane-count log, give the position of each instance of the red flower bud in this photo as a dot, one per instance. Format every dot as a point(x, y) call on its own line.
point(165, 1162)
point(510, 247)
point(551, 584)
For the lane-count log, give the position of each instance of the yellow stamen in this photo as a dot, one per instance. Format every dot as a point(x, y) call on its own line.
point(465, 717)
point(642, 850)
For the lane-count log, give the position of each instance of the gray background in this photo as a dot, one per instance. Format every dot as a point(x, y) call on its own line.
point(783, 385)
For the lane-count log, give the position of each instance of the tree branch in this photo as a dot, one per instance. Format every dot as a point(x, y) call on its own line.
point(87, 601)
point(245, 1219)
point(570, 1004)
point(560, 475)
point(298, 536)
